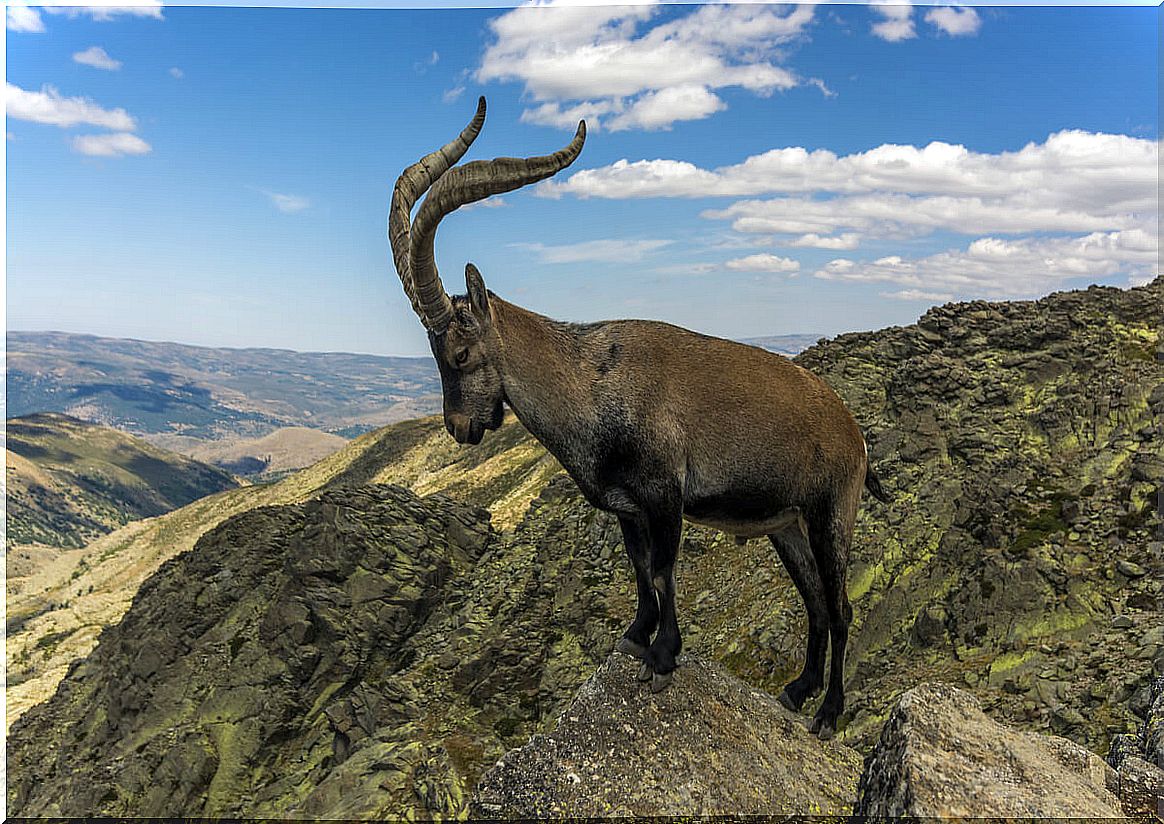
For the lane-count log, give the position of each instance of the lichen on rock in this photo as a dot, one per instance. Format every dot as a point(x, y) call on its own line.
point(939, 756)
point(708, 745)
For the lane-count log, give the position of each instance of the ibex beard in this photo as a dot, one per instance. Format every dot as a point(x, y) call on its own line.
point(653, 422)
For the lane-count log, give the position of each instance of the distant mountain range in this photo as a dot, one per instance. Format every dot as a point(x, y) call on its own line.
point(171, 389)
point(789, 345)
point(145, 387)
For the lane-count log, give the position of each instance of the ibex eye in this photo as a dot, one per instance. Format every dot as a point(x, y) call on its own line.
point(462, 357)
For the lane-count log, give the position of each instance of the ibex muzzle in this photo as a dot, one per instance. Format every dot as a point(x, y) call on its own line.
point(653, 422)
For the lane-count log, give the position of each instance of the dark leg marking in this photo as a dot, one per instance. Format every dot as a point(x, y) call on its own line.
point(830, 542)
point(665, 527)
point(797, 558)
point(638, 636)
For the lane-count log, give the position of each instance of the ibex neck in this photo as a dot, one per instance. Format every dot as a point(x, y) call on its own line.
point(545, 383)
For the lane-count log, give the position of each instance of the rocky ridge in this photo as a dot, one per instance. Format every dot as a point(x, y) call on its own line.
point(1018, 559)
point(54, 616)
point(712, 746)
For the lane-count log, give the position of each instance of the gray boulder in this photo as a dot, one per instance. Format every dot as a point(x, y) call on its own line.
point(1138, 758)
point(939, 756)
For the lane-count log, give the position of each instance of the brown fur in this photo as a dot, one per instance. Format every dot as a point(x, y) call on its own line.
point(655, 423)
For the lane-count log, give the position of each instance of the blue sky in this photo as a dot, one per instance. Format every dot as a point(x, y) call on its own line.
point(221, 176)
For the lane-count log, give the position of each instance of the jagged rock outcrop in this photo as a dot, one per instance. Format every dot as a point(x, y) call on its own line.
point(259, 673)
point(939, 756)
point(366, 653)
point(1138, 758)
point(1021, 556)
point(709, 745)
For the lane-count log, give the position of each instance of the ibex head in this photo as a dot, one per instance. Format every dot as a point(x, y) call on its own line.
point(461, 330)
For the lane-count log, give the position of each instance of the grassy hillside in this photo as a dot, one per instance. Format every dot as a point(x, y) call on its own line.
point(281, 451)
point(71, 481)
point(364, 652)
point(149, 387)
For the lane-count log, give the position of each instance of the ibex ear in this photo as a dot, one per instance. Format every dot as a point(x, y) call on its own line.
point(478, 294)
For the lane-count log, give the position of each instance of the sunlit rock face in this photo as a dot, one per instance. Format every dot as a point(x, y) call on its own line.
point(939, 756)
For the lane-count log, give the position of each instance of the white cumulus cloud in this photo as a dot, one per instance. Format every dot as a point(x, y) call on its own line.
point(659, 109)
point(1072, 181)
point(1079, 204)
point(848, 240)
point(98, 58)
point(1003, 268)
point(51, 107)
point(104, 11)
point(20, 17)
point(763, 263)
point(956, 21)
point(896, 23)
point(114, 144)
point(596, 251)
point(610, 65)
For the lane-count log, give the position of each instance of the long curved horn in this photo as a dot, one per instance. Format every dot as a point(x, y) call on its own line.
point(467, 184)
point(412, 183)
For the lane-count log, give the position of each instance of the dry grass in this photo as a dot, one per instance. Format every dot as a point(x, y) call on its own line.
point(292, 447)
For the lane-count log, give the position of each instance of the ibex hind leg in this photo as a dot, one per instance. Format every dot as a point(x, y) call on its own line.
point(830, 543)
point(665, 527)
point(797, 557)
point(637, 638)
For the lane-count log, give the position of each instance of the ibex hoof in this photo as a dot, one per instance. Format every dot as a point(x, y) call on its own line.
point(645, 672)
point(786, 701)
point(629, 647)
point(661, 682)
point(824, 729)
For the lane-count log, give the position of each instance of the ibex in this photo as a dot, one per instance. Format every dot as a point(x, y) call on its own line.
point(654, 423)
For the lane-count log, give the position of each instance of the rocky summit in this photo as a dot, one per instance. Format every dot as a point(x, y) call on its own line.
point(362, 651)
point(714, 746)
point(709, 746)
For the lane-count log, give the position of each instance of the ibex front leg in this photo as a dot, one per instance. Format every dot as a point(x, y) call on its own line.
point(638, 548)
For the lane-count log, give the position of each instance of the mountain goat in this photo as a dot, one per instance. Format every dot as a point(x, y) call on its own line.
point(653, 422)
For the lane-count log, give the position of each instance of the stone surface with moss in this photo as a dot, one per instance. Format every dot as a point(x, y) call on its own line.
point(939, 757)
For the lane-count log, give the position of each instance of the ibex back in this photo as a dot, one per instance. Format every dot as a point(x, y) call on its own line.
point(653, 422)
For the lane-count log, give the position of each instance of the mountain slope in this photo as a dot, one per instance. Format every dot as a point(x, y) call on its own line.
point(70, 481)
point(358, 655)
point(277, 453)
point(57, 612)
